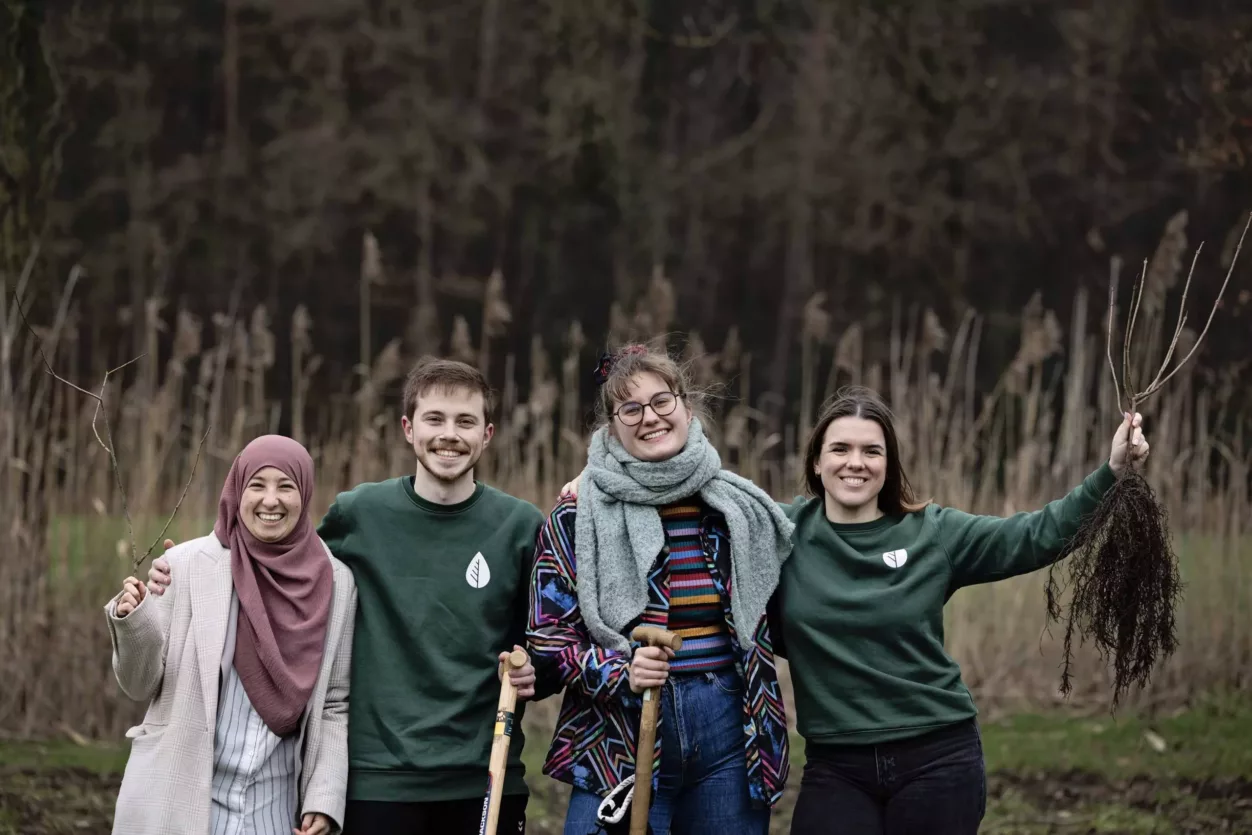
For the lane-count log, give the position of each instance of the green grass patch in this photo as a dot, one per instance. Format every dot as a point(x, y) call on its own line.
point(101, 758)
point(1209, 739)
point(58, 786)
point(77, 542)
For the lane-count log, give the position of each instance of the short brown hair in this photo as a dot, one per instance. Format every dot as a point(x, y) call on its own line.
point(444, 375)
point(896, 496)
point(618, 367)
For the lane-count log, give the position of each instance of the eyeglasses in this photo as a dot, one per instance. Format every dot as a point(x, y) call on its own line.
point(662, 403)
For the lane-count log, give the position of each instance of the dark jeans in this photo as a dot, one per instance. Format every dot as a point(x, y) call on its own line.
point(702, 786)
point(448, 817)
point(934, 784)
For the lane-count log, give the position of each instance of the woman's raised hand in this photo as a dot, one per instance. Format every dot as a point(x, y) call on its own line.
point(159, 573)
point(1130, 447)
point(571, 488)
point(133, 593)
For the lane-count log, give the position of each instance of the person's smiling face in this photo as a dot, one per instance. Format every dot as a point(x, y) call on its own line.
point(448, 432)
point(853, 468)
point(271, 505)
point(656, 437)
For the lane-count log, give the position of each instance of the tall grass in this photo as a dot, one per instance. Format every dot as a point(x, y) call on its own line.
point(1043, 427)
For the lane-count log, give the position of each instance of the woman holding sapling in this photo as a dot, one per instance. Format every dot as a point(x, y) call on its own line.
point(892, 743)
point(242, 653)
point(661, 535)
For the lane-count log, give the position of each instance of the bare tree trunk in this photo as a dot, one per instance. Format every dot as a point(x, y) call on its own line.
point(798, 263)
point(488, 36)
point(230, 75)
point(630, 197)
point(426, 335)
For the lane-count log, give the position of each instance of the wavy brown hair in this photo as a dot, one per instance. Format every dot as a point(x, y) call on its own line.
point(622, 364)
point(444, 375)
point(896, 496)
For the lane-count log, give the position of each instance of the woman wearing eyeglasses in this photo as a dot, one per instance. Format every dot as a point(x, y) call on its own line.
point(661, 535)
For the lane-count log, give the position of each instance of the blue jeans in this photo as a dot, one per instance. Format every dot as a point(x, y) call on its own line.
point(702, 786)
point(933, 784)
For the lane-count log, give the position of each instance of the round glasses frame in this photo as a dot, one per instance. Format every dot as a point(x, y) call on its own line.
point(660, 410)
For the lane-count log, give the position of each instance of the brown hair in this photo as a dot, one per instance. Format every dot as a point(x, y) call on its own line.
point(444, 375)
point(616, 368)
point(896, 496)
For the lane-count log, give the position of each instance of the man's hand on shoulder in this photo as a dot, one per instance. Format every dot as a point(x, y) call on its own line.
point(159, 572)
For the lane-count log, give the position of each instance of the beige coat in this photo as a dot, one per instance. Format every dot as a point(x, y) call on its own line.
point(168, 652)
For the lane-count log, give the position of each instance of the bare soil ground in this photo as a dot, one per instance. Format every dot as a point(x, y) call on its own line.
point(65, 801)
point(1188, 772)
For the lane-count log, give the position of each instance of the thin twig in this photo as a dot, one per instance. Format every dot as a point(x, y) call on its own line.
point(117, 470)
point(1164, 373)
point(1169, 355)
point(100, 402)
point(1115, 271)
point(102, 412)
point(99, 398)
point(1217, 303)
point(47, 365)
point(1182, 319)
point(27, 270)
point(186, 487)
point(1136, 298)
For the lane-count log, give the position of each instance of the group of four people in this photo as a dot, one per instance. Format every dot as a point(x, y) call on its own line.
point(343, 678)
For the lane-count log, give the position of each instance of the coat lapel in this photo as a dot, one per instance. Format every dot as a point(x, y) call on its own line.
point(210, 587)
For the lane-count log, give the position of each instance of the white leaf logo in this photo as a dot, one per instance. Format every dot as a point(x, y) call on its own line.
point(478, 575)
point(895, 559)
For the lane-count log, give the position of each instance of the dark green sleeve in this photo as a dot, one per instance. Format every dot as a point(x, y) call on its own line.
point(333, 528)
point(773, 610)
point(988, 548)
point(792, 508)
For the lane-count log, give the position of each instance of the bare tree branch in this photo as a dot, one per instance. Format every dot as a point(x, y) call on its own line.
point(1164, 373)
point(27, 269)
point(1136, 298)
point(101, 411)
point(161, 536)
point(1182, 318)
point(1115, 271)
point(1156, 385)
point(99, 398)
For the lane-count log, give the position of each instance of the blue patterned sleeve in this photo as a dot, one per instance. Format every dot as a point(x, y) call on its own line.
point(557, 637)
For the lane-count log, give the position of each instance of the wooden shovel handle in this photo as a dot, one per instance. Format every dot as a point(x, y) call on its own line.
point(641, 802)
point(501, 738)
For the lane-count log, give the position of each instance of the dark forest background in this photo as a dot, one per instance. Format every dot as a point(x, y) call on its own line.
point(273, 206)
point(894, 157)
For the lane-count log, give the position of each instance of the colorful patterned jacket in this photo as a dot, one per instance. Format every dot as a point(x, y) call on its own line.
point(594, 744)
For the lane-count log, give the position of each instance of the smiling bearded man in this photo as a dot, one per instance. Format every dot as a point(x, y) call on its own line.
point(442, 564)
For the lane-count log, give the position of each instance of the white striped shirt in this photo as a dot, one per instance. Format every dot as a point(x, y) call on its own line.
point(254, 771)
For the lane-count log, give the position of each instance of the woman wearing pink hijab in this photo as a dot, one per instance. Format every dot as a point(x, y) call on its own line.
point(244, 663)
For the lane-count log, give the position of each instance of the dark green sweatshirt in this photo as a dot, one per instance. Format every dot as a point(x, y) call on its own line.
point(862, 609)
point(442, 590)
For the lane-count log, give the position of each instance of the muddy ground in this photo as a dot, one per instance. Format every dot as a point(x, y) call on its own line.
point(61, 801)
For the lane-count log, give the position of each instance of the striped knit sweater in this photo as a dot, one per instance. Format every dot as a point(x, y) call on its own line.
point(695, 607)
point(593, 746)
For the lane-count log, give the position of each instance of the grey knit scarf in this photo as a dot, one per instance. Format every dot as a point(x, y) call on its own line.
point(618, 533)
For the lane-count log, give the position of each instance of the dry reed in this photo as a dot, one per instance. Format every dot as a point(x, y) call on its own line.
point(1028, 441)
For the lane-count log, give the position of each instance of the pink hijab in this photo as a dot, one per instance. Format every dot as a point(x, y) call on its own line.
point(284, 589)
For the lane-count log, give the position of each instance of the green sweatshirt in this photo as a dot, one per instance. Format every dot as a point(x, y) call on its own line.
point(442, 590)
point(862, 609)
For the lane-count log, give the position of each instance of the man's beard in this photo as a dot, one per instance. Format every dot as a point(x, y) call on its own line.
point(447, 476)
